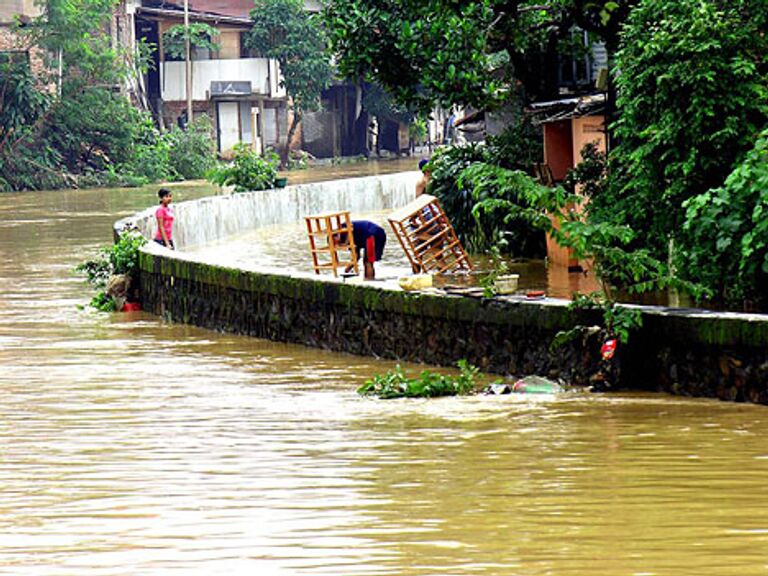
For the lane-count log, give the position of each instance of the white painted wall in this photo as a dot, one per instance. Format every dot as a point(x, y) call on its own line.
point(254, 70)
point(199, 222)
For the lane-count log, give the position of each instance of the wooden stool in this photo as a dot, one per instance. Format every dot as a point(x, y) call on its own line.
point(329, 249)
point(427, 237)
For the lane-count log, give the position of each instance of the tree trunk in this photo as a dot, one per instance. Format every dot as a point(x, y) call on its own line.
point(286, 150)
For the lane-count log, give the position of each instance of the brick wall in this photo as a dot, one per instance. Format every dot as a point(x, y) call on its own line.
point(9, 41)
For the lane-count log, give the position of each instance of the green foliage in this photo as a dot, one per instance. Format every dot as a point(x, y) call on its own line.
point(449, 52)
point(192, 151)
point(74, 30)
point(519, 146)
point(395, 384)
point(498, 267)
point(22, 110)
point(248, 171)
point(590, 176)
point(422, 53)
point(460, 187)
point(200, 35)
point(148, 157)
point(693, 95)
point(724, 245)
point(120, 258)
point(93, 128)
point(21, 103)
point(283, 30)
point(380, 103)
point(618, 321)
point(488, 205)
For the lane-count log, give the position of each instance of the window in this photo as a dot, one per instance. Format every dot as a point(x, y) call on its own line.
point(575, 65)
point(14, 57)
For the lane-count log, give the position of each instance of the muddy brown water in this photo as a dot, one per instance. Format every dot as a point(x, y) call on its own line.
point(130, 446)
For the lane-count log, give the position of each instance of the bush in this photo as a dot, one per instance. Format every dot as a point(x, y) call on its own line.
point(724, 244)
point(93, 128)
point(122, 258)
point(692, 97)
point(192, 153)
point(247, 171)
point(463, 177)
point(148, 158)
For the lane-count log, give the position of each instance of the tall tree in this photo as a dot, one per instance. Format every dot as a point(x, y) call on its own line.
point(283, 30)
point(693, 95)
point(462, 51)
point(73, 33)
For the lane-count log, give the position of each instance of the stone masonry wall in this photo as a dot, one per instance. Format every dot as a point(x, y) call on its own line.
point(497, 336)
point(696, 354)
point(689, 352)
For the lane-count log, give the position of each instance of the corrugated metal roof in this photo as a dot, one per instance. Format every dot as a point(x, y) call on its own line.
point(566, 108)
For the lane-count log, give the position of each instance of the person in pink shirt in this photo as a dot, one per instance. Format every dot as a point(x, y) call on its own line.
point(164, 215)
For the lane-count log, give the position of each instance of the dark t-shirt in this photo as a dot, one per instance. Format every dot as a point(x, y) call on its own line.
point(362, 230)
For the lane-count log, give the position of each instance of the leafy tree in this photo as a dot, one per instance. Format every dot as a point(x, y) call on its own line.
point(283, 30)
point(693, 95)
point(74, 31)
point(22, 109)
point(724, 244)
point(93, 128)
point(462, 51)
point(200, 35)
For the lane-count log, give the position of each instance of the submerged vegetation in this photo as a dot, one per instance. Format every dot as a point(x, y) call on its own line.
point(395, 384)
point(117, 262)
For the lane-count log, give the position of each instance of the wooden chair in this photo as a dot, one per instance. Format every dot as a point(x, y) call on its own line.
point(331, 241)
point(543, 173)
point(427, 237)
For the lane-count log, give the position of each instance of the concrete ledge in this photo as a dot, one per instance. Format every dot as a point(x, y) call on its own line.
point(682, 351)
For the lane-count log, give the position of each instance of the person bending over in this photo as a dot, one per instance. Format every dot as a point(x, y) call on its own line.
point(371, 238)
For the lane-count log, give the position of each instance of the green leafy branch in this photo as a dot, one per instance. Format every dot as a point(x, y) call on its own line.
point(395, 384)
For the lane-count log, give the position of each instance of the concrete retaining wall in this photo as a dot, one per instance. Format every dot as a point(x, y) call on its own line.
point(199, 222)
point(690, 352)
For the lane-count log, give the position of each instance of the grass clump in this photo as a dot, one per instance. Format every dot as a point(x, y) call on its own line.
point(395, 384)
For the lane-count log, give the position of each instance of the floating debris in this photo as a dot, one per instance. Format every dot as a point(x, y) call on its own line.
point(536, 385)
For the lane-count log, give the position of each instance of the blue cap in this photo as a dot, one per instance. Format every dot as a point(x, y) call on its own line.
point(423, 162)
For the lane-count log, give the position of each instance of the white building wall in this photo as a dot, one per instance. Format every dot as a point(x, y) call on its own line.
point(260, 72)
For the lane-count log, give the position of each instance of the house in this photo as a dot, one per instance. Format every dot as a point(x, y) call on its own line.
point(241, 93)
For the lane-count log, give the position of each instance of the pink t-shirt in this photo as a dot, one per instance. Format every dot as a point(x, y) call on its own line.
point(166, 213)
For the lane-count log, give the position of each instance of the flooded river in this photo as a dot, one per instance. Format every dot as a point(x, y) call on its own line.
point(130, 446)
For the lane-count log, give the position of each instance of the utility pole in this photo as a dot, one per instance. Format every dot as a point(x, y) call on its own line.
point(188, 51)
